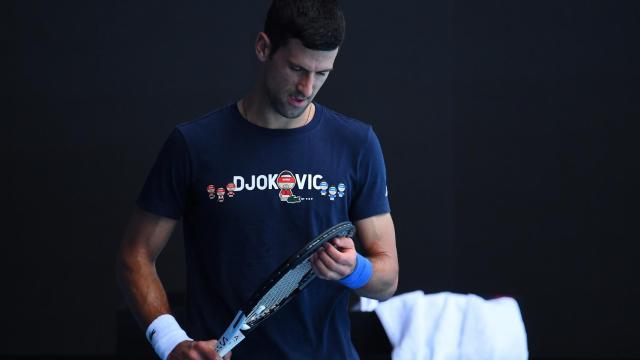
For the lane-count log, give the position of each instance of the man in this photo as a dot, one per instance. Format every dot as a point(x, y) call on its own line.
point(278, 148)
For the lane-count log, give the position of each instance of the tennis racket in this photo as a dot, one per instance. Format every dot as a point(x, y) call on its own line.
point(282, 286)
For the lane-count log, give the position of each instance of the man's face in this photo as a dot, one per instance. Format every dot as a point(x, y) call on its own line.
point(294, 75)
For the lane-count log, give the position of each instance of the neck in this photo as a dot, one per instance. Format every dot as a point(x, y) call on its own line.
point(257, 109)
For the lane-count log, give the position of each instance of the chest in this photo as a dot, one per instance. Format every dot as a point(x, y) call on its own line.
point(313, 178)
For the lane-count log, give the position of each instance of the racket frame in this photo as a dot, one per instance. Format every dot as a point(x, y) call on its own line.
point(235, 333)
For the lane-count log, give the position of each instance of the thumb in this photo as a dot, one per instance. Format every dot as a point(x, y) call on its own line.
point(227, 356)
point(343, 243)
point(211, 345)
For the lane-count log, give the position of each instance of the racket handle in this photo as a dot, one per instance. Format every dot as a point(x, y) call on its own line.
point(232, 336)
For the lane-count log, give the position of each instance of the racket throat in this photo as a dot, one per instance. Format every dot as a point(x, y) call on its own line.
point(232, 336)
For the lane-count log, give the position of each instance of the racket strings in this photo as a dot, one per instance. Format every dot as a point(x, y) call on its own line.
point(299, 276)
point(279, 292)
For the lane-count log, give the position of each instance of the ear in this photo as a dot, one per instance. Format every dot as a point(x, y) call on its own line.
point(263, 47)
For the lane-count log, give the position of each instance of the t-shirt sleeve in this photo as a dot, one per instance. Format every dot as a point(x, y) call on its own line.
point(370, 197)
point(165, 190)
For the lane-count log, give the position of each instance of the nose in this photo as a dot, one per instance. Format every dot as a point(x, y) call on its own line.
point(305, 85)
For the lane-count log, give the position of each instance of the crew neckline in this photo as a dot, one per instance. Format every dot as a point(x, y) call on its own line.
point(315, 121)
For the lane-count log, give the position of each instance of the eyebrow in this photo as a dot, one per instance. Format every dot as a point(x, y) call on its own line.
point(307, 70)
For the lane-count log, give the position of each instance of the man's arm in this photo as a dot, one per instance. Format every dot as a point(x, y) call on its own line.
point(378, 238)
point(377, 235)
point(146, 236)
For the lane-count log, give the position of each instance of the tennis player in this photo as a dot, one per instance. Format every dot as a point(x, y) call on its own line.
point(253, 181)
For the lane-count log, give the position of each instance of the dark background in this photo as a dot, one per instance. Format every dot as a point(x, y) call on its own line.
point(506, 128)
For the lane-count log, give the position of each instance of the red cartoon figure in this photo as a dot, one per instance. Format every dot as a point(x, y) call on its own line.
point(220, 193)
point(230, 188)
point(286, 181)
point(212, 191)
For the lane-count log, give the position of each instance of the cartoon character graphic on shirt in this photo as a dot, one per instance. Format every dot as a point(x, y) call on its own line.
point(332, 193)
point(230, 189)
point(341, 189)
point(220, 193)
point(212, 191)
point(286, 181)
point(323, 188)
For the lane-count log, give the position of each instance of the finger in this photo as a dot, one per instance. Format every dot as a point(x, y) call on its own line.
point(184, 351)
point(337, 256)
point(321, 269)
point(335, 270)
point(206, 349)
point(228, 356)
point(343, 243)
point(325, 259)
point(333, 259)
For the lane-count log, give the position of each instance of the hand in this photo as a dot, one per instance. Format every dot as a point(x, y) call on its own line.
point(197, 350)
point(335, 260)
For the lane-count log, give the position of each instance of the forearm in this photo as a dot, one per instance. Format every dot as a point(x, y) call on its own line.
point(375, 276)
point(377, 235)
point(144, 239)
point(143, 289)
point(384, 280)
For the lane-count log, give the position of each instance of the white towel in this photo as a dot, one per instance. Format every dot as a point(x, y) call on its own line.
point(447, 326)
point(365, 305)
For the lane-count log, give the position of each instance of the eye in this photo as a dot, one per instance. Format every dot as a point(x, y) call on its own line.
point(295, 68)
point(322, 73)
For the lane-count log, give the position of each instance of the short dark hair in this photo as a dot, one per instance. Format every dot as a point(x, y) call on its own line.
point(318, 24)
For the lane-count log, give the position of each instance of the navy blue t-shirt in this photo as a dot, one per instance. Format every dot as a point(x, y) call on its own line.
point(250, 197)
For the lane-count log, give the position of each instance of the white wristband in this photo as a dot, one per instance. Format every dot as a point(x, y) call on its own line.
point(164, 334)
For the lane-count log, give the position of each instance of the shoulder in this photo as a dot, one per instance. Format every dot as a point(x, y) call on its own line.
point(342, 125)
point(208, 124)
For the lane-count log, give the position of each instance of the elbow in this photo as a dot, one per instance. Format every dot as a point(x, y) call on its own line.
point(381, 290)
point(391, 283)
point(127, 263)
point(393, 288)
point(390, 289)
point(122, 268)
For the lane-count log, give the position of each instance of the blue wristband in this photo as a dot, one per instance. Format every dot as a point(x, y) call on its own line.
point(360, 275)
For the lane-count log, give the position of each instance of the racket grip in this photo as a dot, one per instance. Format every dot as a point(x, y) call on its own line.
point(232, 336)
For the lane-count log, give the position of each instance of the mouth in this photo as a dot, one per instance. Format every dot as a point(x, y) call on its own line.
point(297, 101)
